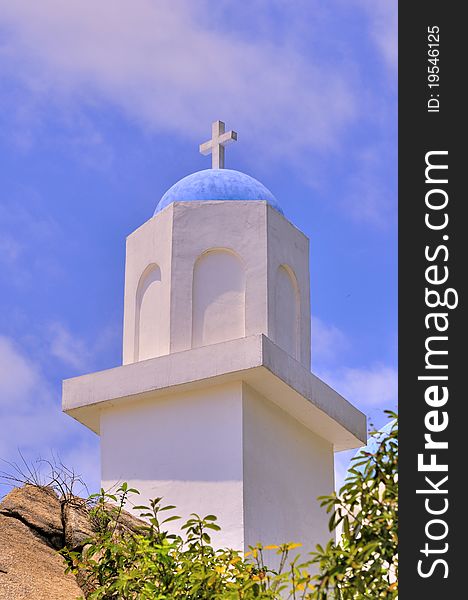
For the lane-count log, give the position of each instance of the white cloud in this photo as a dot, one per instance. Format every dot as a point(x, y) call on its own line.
point(68, 348)
point(74, 350)
point(19, 377)
point(372, 390)
point(328, 342)
point(383, 16)
point(367, 388)
point(163, 65)
point(31, 418)
point(175, 65)
point(29, 411)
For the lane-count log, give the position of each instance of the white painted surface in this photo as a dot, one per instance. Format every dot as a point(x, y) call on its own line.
point(187, 448)
point(286, 467)
point(150, 244)
point(211, 413)
point(216, 145)
point(287, 307)
point(218, 298)
point(239, 227)
point(289, 247)
point(204, 289)
point(150, 319)
point(227, 451)
point(255, 360)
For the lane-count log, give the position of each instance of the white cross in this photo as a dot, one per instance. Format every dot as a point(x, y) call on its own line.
point(215, 146)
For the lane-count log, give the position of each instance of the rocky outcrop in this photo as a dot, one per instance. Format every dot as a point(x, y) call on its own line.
point(30, 568)
point(34, 525)
point(39, 509)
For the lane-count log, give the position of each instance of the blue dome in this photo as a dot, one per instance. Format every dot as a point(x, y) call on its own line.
point(217, 184)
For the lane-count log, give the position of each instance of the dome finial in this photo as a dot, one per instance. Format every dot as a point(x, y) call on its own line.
point(215, 146)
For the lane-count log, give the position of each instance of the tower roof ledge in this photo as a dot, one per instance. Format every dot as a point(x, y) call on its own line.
point(254, 360)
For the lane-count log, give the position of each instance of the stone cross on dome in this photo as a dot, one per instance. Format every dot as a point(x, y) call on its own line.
point(215, 146)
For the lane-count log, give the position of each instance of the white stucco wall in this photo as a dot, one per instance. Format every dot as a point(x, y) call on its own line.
point(184, 447)
point(286, 467)
point(201, 227)
point(288, 247)
point(224, 450)
point(218, 298)
point(287, 311)
point(149, 323)
point(149, 245)
point(227, 270)
point(208, 285)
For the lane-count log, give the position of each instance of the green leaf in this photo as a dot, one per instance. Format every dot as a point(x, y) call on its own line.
point(173, 518)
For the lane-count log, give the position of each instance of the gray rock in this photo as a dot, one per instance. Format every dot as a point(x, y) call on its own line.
point(34, 524)
point(30, 568)
point(39, 508)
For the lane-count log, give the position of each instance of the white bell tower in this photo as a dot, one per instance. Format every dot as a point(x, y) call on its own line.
point(215, 407)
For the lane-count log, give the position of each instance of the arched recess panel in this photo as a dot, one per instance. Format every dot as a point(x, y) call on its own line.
point(287, 306)
point(218, 300)
point(149, 317)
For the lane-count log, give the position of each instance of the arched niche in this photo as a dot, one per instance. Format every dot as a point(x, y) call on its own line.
point(149, 316)
point(218, 298)
point(287, 310)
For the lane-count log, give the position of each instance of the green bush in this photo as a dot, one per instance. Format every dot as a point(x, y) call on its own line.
point(152, 564)
point(364, 561)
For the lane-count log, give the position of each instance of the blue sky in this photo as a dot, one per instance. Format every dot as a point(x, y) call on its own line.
point(103, 106)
